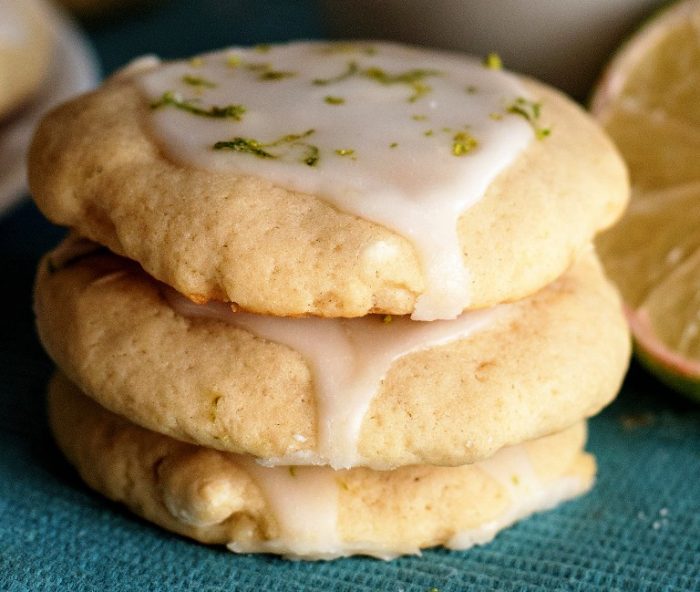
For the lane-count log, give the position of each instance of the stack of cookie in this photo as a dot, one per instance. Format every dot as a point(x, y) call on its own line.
point(326, 299)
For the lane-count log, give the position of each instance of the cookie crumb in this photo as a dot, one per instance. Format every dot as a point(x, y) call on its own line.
point(633, 421)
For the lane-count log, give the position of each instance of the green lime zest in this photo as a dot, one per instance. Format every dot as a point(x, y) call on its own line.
point(493, 62)
point(247, 145)
point(310, 155)
point(233, 61)
point(331, 100)
point(463, 143)
point(336, 48)
point(352, 70)
point(530, 111)
point(173, 99)
point(266, 72)
point(276, 75)
point(198, 81)
point(415, 78)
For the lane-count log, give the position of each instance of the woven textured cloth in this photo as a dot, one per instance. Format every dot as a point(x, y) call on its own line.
point(639, 529)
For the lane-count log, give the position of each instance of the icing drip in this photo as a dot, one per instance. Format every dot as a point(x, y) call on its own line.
point(348, 359)
point(405, 137)
point(546, 497)
point(512, 469)
point(304, 501)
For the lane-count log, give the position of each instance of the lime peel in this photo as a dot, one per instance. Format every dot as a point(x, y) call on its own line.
point(648, 100)
point(643, 331)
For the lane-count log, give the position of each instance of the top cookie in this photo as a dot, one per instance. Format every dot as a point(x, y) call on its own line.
point(25, 51)
point(332, 179)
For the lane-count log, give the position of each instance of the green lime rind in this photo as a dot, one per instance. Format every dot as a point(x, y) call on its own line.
point(688, 385)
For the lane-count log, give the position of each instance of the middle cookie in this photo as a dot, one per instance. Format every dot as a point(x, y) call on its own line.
point(374, 391)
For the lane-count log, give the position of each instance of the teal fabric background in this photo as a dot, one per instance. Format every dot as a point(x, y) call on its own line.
point(638, 530)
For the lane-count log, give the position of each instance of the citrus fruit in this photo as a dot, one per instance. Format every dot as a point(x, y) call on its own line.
point(649, 102)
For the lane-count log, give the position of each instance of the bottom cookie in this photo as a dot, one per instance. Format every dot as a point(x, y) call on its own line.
point(313, 512)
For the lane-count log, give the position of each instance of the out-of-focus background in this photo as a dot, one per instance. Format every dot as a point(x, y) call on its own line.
point(638, 530)
point(563, 43)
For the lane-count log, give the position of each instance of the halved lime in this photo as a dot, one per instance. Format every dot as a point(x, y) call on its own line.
point(649, 102)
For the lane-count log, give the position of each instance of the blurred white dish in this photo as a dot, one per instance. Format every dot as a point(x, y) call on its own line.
point(73, 70)
point(561, 42)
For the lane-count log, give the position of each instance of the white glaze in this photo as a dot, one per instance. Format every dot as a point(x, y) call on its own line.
point(547, 496)
point(304, 503)
point(512, 469)
point(348, 359)
point(419, 188)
